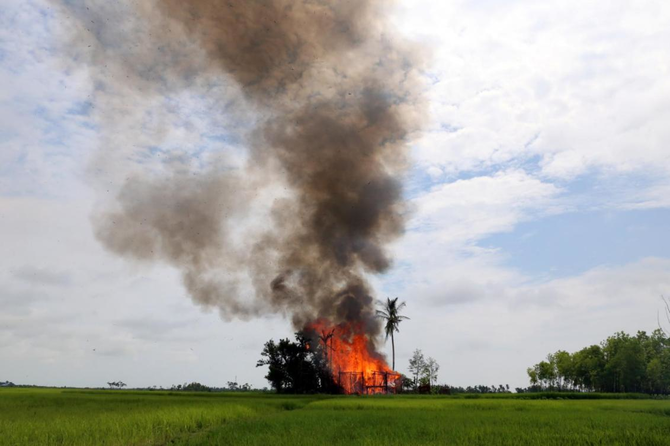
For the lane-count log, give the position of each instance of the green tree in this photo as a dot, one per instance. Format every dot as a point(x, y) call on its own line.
point(417, 364)
point(564, 368)
point(533, 375)
point(390, 312)
point(196, 387)
point(588, 365)
point(430, 370)
point(295, 367)
point(547, 372)
point(625, 368)
point(655, 378)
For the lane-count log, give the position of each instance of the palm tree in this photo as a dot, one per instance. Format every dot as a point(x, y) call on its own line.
point(390, 312)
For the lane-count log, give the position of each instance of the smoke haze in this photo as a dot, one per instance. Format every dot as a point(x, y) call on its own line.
point(330, 99)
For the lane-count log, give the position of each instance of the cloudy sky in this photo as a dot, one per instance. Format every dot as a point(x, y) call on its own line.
point(540, 191)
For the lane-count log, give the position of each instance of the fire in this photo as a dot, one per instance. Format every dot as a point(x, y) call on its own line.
point(352, 359)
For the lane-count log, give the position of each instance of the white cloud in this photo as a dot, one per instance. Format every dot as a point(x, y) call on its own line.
point(441, 261)
point(656, 196)
point(42, 276)
point(580, 85)
point(466, 210)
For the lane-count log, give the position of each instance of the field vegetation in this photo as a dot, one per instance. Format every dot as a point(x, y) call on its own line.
point(117, 417)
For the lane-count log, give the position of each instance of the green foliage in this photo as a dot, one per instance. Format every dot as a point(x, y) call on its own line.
point(417, 364)
point(54, 417)
point(424, 370)
point(390, 312)
point(431, 370)
point(196, 387)
point(481, 389)
point(445, 421)
point(67, 417)
point(296, 367)
point(621, 363)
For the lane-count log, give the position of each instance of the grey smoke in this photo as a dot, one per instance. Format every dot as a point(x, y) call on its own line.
point(335, 99)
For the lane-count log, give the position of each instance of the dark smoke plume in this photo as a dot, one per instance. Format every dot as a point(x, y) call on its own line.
point(334, 96)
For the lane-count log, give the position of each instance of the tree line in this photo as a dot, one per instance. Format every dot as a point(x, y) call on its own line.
point(232, 386)
point(621, 363)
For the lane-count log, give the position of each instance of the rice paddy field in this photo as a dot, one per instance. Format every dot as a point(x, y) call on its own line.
point(98, 417)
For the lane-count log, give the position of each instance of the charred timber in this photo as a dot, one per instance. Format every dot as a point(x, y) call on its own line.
point(375, 383)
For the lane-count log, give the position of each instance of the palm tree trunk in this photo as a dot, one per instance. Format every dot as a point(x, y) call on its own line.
point(393, 350)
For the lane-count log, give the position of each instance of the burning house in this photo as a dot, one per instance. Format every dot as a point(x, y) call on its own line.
point(353, 363)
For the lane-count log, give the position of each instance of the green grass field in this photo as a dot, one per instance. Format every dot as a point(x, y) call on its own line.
point(79, 417)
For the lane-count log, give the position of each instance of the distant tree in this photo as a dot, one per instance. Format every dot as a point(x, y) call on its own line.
point(588, 365)
point(430, 370)
point(483, 389)
point(417, 364)
point(196, 387)
point(547, 372)
point(390, 312)
point(656, 382)
point(295, 367)
point(533, 375)
point(407, 383)
point(563, 368)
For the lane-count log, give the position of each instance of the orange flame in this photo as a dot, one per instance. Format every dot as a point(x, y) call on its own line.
point(353, 361)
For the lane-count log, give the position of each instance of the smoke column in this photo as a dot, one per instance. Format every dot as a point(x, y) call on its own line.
point(335, 100)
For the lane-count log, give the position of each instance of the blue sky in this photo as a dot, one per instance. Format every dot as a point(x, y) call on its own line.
point(539, 193)
point(573, 243)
